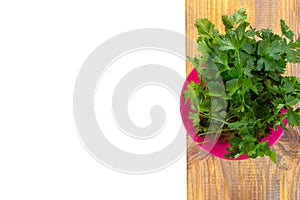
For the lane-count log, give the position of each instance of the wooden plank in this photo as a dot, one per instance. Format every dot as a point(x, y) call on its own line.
point(212, 178)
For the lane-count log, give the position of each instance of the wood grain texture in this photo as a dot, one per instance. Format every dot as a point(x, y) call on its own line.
point(212, 178)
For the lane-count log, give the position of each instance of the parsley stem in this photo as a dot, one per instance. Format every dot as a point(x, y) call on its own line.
point(220, 120)
point(215, 131)
point(239, 65)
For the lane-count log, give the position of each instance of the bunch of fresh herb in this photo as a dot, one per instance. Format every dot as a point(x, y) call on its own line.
point(251, 63)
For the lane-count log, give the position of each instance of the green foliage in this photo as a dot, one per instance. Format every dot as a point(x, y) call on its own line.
point(251, 63)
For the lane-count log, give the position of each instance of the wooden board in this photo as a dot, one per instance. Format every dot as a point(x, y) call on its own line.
point(211, 178)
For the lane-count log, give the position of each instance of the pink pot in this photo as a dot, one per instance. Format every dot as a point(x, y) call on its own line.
point(219, 149)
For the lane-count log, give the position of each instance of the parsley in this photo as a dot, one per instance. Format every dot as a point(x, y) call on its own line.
point(251, 63)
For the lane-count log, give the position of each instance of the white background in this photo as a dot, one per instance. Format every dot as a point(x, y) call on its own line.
point(42, 47)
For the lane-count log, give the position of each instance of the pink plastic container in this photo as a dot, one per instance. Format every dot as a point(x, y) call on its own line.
point(219, 149)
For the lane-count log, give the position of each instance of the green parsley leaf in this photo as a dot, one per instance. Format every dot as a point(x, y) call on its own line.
point(293, 117)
